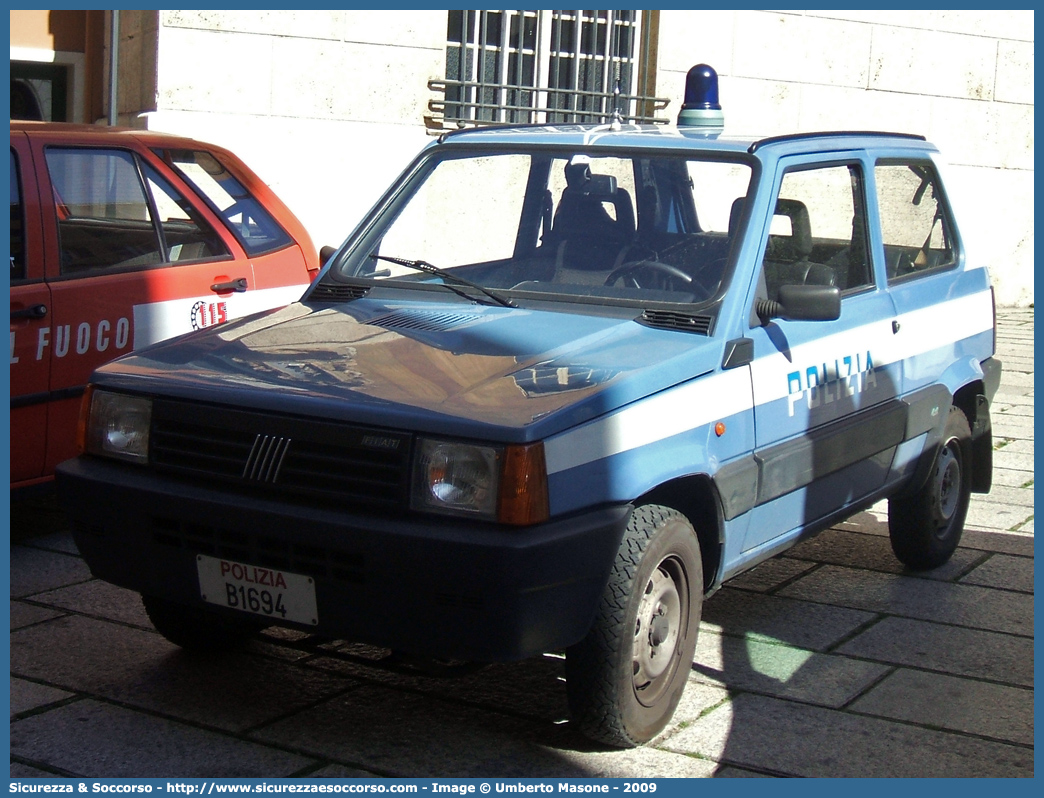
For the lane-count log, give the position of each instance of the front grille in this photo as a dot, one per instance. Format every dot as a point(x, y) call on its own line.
point(338, 463)
point(254, 549)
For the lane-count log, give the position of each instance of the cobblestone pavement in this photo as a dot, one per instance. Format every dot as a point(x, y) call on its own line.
point(828, 661)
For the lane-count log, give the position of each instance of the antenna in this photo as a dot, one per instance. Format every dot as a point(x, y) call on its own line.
point(617, 121)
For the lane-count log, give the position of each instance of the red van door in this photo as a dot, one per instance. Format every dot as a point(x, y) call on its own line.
point(30, 309)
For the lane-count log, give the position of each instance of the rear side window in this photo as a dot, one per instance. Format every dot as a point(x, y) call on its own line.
point(244, 215)
point(115, 213)
point(915, 223)
point(17, 225)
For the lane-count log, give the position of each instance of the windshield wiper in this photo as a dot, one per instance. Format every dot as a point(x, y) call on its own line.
point(424, 266)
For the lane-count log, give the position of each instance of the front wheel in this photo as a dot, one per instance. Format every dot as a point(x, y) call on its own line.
point(926, 527)
point(626, 677)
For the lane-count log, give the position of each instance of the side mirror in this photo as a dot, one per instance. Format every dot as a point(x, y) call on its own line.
point(801, 303)
point(325, 254)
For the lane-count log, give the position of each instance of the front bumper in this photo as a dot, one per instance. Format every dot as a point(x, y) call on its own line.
point(452, 589)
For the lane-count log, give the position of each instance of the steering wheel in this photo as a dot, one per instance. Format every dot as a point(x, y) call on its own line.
point(667, 274)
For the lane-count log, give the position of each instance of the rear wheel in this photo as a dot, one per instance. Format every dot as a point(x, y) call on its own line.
point(196, 628)
point(624, 680)
point(926, 526)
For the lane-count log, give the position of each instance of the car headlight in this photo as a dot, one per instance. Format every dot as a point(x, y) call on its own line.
point(497, 483)
point(456, 478)
point(117, 425)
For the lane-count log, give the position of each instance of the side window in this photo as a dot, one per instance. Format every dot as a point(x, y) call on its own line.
point(914, 221)
point(818, 232)
point(185, 236)
point(248, 220)
point(17, 225)
point(106, 216)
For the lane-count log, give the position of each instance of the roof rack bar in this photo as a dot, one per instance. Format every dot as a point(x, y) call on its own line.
point(830, 134)
point(502, 126)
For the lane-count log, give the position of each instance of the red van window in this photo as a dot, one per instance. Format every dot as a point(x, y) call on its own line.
point(247, 218)
point(107, 219)
point(185, 236)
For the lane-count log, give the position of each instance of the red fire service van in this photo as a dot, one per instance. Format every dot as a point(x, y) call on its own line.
point(121, 238)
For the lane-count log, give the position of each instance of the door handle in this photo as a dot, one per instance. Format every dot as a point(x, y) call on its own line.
point(31, 312)
point(239, 285)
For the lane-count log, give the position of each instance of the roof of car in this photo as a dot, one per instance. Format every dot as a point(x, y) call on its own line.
point(673, 137)
point(81, 131)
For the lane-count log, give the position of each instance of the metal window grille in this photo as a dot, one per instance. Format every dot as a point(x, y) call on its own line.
point(546, 67)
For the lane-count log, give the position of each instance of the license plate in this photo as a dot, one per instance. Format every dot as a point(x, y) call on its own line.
point(274, 594)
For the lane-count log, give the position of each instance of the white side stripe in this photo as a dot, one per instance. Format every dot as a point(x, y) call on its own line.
point(920, 331)
point(647, 421)
point(157, 321)
point(946, 322)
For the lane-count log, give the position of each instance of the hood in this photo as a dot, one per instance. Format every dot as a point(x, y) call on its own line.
point(508, 374)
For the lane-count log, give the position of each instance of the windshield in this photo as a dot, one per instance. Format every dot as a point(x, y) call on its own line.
point(561, 225)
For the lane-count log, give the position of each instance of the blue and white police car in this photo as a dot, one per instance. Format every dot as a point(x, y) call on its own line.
point(556, 387)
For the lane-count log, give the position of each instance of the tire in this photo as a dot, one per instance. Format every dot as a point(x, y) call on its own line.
point(625, 678)
point(926, 526)
point(195, 628)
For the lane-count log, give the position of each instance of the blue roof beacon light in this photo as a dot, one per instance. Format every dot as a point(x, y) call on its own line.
point(700, 108)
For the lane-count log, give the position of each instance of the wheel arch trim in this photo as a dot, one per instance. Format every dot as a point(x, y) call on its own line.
point(696, 496)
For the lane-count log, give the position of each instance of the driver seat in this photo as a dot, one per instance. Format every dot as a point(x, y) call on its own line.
point(584, 234)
